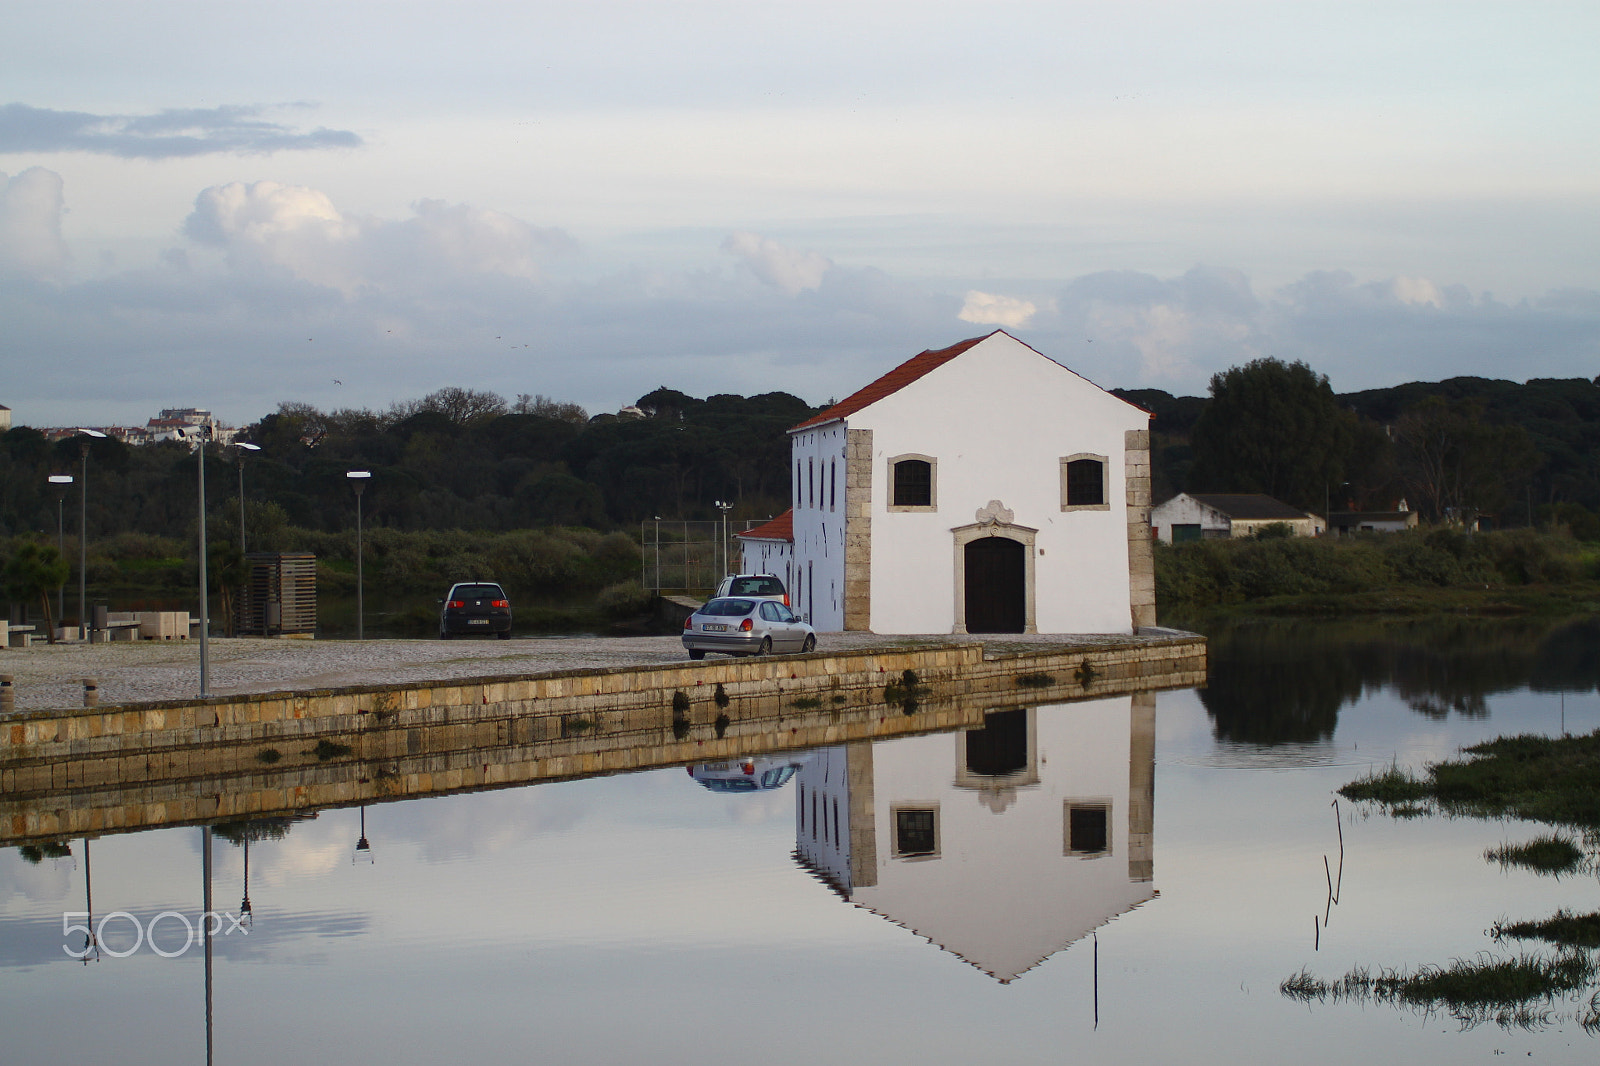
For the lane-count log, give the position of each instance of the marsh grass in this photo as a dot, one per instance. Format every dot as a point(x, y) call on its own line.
point(1547, 854)
point(1393, 788)
point(1511, 992)
point(1562, 929)
point(1534, 778)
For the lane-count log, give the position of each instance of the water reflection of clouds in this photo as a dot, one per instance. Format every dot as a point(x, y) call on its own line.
point(41, 882)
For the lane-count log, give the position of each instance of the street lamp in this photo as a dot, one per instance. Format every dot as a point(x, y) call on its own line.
point(205, 593)
point(83, 533)
point(358, 481)
point(243, 447)
point(61, 481)
point(724, 507)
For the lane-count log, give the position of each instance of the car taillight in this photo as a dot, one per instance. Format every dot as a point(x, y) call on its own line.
point(746, 626)
point(750, 768)
point(688, 623)
point(458, 603)
point(786, 599)
point(499, 603)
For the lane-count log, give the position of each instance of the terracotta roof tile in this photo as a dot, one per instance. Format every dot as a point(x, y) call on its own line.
point(1248, 505)
point(780, 528)
point(892, 382)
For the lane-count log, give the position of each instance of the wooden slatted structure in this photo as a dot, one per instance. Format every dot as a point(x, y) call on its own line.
point(280, 594)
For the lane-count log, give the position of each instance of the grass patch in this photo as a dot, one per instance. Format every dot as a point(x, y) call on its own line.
point(905, 692)
point(1548, 854)
point(573, 725)
point(330, 749)
point(1393, 787)
point(1035, 680)
point(1562, 929)
point(268, 755)
point(1511, 992)
point(806, 703)
point(1534, 778)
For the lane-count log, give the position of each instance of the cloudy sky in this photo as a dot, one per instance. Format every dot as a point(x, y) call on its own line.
point(348, 204)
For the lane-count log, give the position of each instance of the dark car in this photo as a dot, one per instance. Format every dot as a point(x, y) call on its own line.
point(474, 607)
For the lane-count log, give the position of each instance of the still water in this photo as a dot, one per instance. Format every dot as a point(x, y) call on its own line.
point(1120, 880)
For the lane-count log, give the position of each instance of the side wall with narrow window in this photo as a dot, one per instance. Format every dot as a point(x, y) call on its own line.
point(817, 589)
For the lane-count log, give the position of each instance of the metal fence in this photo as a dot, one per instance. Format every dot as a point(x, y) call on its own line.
point(682, 556)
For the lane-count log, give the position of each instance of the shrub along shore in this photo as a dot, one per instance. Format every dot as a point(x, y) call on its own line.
point(1519, 571)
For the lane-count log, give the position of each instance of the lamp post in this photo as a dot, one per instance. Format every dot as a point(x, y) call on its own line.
point(83, 533)
point(358, 481)
point(724, 507)
point(242, 446)
point(205, 593)
point(61, 481)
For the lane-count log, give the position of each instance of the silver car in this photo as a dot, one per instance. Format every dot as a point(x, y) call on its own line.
point(735, 625)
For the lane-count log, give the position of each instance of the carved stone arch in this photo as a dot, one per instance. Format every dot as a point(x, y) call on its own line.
point(994, 526)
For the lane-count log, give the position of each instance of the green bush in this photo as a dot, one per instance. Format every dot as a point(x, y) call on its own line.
point(625, 599)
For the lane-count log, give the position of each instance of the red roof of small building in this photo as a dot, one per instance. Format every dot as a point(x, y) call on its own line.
point(780, 528)
point(892, 382)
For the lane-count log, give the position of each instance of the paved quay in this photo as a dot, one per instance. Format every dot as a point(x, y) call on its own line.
point(51, 677)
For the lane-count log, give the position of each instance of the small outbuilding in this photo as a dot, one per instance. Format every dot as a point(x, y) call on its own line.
point(1207, 515)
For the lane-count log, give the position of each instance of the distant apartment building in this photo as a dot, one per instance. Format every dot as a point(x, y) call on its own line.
point(186, 424)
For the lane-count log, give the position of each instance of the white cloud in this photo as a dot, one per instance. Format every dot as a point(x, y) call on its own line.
point(784, 268)
point(31, 205)
point(989, 309)
point(299, 230)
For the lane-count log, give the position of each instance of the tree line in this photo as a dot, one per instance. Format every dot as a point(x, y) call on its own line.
point(1454, 450)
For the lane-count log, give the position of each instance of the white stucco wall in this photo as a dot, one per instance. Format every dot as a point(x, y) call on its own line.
point(821, 788)
point(768, 557)
point(1002, 893)
point(1184, 510)
point(999, 418)
point(817, 478)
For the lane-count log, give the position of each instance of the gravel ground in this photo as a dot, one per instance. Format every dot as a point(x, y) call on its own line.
point(52, 676)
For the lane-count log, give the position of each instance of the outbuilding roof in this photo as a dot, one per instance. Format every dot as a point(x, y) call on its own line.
point(780, 528)
point(1247, 505)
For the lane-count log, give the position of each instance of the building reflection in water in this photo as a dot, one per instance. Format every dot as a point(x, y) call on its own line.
point(1001, 845)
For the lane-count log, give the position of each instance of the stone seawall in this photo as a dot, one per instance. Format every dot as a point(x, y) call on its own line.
point(115, 769)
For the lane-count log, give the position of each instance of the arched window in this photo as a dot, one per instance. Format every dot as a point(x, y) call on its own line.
point(1083, 483)
point(912, 483)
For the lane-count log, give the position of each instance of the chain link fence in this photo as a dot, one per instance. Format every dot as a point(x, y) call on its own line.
point(689, 556)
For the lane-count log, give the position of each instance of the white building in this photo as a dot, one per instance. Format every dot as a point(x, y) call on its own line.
point(982, 488)
point(1208, 515)
point(1001, 845)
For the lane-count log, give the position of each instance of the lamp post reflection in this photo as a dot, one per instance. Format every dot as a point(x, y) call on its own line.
point(91, 943)
point(363, 850)
point(246, 914)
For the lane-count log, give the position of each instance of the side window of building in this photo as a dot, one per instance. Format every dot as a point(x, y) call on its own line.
point(1084, 483)
point(916, 832)
point(913, 483)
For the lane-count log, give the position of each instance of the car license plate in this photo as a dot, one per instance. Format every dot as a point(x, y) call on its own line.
point(477, 621)
point(713, 627)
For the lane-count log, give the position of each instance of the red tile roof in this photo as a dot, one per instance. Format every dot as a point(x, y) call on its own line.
point(892, 382)
point(780, 528)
